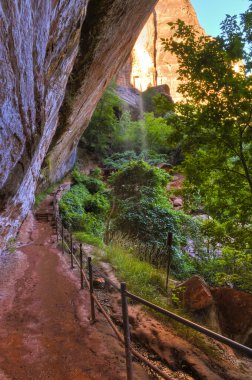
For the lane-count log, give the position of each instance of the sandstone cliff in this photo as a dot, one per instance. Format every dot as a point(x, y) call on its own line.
point(40, 43)
point(148, 64)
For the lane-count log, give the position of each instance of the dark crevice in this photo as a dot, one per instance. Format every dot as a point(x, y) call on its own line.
point(91, 28)
point(155, 47)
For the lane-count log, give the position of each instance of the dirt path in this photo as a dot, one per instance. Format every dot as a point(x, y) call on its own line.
point(44, 317)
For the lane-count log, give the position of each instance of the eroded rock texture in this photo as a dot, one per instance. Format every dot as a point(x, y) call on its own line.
point(108, 35)
point(39, 43)
point(149, 64)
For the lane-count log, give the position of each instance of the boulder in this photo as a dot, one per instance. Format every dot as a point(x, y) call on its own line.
point(194, 294)
point(234, 309)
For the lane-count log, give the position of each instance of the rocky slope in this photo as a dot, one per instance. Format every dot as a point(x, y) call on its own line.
point(148, 64)
point(42, 43)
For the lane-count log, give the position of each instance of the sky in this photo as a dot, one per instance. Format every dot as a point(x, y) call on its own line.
point(211, 12)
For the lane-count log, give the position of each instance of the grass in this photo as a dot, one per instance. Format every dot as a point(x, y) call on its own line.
point(11, 245)
point(140, 276)
point(41, 196)
point(83, 237)
point(149, 283)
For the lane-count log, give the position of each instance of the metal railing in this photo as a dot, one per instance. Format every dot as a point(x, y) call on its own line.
point(125, 338)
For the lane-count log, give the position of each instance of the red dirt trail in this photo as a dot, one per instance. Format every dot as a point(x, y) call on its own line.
point(45, 330)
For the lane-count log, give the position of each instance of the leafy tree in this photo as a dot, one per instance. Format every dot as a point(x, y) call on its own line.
point(148, 133)
point(214, 122)
point(162, 105)
point(143, 212)
point(99, 134)
point(156, 102)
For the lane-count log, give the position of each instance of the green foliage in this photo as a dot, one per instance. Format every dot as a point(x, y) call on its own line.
point(234, 267)
point(142, 208)
point(142, 212)
point(97, 204)
point(117, 160)
point(84, 237)
point(148, 133)
point(85, 205)
point(213, 126)
point(138, 176)
point(156, 102)
point(141, 277)
point(11, 245)
point(72, 206)
point(93, 183)
point(229, 267)
point(162, 105)
point(98, 136)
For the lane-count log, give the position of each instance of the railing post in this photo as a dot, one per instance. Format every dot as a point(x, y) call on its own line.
point(62, 232)
point(81, 268)
point(126, 330)
point(169, 258)
point(91, 289)
point(71, 248)
point(57, 233)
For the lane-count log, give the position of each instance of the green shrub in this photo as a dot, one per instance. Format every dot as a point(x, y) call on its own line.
point(117, 160)
point(92, 183)
point(85, 205)
point(143, 212)
point(93, 224)
point(72, 206)
point(97, 204)
point(137, 179)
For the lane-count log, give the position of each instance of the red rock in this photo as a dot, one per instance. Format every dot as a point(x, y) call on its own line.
point(149, 65)
point(194, 294)
point(235, 313)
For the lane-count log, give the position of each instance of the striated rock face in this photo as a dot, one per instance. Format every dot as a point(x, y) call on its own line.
point(40, 42)
point(108, 35)
point(149, 65)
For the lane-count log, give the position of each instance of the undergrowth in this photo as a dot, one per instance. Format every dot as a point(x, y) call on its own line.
point(83, 237)
point(149, 283)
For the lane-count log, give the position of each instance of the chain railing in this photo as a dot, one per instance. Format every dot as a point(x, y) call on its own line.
point(65, 238)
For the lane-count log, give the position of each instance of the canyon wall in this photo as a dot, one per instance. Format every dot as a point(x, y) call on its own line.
point(56, 58)
point(149, 65)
